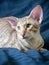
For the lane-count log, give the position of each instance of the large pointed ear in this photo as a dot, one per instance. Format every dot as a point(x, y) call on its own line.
point(13, 21)
point(37, 13)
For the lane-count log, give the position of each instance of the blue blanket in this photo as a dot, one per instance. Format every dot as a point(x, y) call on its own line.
point(15, 57)
point(21, 8)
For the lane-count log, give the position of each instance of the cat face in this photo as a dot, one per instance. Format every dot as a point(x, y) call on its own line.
point(28, 28)
point(26, 25)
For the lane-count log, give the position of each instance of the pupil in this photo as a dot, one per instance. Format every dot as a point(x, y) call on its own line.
point(28, 25)
point(18, 27)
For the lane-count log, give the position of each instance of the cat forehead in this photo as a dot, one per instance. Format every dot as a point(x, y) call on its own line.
point(26, 20)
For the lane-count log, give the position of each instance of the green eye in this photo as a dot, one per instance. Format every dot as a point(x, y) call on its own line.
point(28, 25)
point(18, 27)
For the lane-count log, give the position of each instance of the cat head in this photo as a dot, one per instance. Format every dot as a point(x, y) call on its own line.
point(28, 27)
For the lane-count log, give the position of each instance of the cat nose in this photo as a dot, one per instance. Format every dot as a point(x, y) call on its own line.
point(24, 34)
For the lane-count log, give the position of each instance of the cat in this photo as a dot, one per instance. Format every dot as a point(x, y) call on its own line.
point(22, 33)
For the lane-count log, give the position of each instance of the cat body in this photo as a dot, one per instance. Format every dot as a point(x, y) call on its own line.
point(22, 33)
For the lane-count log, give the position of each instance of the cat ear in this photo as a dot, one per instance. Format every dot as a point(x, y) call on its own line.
point(37, 13)
point(12, 21)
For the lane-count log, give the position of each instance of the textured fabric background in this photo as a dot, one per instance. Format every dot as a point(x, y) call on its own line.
point(21, 8)
point(15, 57)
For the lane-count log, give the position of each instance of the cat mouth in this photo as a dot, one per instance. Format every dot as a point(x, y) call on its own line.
point(28, 39)
point(25, 37)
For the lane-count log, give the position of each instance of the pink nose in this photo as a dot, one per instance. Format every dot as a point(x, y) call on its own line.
point(24, 32)
point(24, 35)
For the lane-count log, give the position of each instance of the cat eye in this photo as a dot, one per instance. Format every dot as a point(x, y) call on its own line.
point(28, 25)
point(18, 27)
